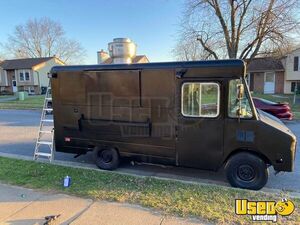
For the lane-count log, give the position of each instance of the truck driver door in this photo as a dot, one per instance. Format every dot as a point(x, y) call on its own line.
point(200, 123)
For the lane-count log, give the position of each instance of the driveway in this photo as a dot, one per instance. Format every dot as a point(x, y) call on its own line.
point(18, 131)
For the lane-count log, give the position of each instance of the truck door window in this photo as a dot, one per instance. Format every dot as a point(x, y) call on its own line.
point(234, 104)
point(200, 99)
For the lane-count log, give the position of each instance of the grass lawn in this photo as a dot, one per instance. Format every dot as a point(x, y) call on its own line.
point(211, 203)
point(31, 102)
point(282, 98)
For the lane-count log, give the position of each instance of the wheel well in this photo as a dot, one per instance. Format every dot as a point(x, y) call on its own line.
point(237, 151)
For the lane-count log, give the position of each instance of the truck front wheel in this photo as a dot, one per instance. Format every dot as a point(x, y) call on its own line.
point(245, 170)
point(106, 158)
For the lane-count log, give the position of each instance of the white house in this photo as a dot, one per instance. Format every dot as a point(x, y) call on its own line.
point(292, 71)
point(275, 75)
point(29, 74)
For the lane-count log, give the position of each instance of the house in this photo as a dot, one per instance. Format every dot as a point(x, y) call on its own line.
point(292, 71)
point(275, 75)
point(266, 75)
point(28, 74)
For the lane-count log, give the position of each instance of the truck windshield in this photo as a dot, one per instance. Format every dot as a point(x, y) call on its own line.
point(235, 104)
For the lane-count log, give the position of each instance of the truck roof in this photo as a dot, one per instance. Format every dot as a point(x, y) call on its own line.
point(236, 63)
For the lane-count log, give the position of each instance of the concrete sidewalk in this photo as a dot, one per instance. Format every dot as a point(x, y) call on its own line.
point(9, 98)
point(20, 206)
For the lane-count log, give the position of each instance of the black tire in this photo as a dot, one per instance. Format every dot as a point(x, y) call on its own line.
point(248, 171)
point(106, 158)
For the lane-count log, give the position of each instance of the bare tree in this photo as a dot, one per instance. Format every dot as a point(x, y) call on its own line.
point(1, 53)
point(43, 38)
point(189, 50)
point(280, 51)
point(240, 28)
point(1, 56)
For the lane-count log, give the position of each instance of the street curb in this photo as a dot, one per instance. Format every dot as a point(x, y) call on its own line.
point(293, 194)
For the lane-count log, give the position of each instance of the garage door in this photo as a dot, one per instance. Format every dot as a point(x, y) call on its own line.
point(269, 86)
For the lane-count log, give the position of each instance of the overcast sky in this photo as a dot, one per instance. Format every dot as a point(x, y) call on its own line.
point(151, 24)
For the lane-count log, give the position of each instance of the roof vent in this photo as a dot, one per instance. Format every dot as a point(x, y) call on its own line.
point(122, 50)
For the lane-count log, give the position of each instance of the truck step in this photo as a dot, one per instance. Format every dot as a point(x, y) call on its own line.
point(44, 142)
point(42, 154)
point(46, 131)
point(47, 120)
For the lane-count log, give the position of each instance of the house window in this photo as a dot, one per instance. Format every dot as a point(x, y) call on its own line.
point(295, 86)
point(31, 90)
point(24, 75)
point(270, 77)
point(27, 78)
point(200, 99)
point(296, 63)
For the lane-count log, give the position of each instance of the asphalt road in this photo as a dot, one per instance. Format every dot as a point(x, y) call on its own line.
point(18, 131)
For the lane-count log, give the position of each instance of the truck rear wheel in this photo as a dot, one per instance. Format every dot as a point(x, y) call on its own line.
point(106, 158)
point(245, 170)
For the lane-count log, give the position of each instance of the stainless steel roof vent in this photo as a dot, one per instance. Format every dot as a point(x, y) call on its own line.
point(122, 50)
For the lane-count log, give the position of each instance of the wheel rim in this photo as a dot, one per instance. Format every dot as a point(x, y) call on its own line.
point(106, 156)
point(246, 172)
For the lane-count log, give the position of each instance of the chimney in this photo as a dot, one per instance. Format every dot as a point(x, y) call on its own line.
point(102, 56)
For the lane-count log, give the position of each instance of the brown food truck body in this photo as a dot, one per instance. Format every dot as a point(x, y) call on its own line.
point(183, 113)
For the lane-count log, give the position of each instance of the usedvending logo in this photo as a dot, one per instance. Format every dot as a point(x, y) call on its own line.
point(264, 210)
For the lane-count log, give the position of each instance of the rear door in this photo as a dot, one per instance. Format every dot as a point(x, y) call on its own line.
point(200, 123)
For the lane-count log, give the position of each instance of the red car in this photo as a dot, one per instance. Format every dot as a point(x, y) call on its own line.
point(280, 110)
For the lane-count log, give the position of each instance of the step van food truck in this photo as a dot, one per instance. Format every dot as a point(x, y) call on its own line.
point(192, 114)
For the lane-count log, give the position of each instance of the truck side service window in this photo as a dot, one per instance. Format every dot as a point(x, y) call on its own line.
point(200, 99)
point(234, 104)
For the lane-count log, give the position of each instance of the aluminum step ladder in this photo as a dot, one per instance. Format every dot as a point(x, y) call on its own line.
point(44, 146)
